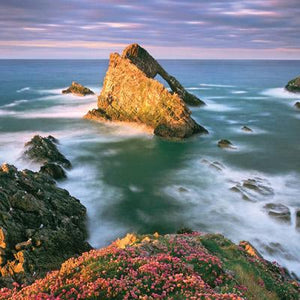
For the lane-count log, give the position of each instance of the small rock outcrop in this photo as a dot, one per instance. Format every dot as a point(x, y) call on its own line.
point(293, 85)
point(278, 211)
point(53, 170)
point(225, 144)
point(297, 104)
point(43, 150)
point(247, 129)
point(130, 94)
point(78, 90)
point(41, 225)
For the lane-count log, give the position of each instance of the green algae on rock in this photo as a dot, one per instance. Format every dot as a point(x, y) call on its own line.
point(293, 85)
point(129, 95)
point(175, 266)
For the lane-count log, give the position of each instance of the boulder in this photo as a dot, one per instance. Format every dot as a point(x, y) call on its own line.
point(247, 129)
point(297, 104)
point(78, 90)
point(146, 63)
point(293, 85)
point(225, 144)
point(41, 225)
point(278, 211)
point(43, 150)
point(129, 95)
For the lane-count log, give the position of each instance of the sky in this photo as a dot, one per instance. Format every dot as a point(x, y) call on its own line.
point(196, 29)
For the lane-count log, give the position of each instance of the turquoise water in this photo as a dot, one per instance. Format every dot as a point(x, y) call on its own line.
point(132, 181)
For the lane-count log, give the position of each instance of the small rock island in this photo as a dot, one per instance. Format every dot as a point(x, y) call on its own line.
point(293, 85)
point(78, 90)
point(131, 94)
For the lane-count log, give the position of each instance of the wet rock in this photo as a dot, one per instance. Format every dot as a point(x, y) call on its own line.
point(182, 190)
point(78, 90)
point(298, 219)
point(278, 211)
point(297, 104)
point(247, 129)
point(147, 64)
point(43, 150)
point(129, 95)
point(252, 189)
point(293, 85)
point(53, 170)
point(225, 144)
point(41, 225)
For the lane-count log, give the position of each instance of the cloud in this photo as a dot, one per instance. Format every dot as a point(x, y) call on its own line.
point(196, 24)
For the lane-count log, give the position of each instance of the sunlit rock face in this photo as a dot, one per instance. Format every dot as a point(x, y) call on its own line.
point(146, 63)
point(129, 95)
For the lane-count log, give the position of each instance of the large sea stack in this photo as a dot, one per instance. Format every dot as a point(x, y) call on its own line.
point(130, 94)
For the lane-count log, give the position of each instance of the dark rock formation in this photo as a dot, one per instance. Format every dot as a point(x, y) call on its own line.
point(298, 219)
point(41, 225)
point(146, 63)
point(53, 170)
point(247, 129)
point(78, 90)
point(293, 85)
point(43, 150)
point(129, 95)
point(297, 104)
point(279, 212)
point(225, 144)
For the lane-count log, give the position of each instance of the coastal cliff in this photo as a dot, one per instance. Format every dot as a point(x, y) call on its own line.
point(130, 94)
point(175, 266)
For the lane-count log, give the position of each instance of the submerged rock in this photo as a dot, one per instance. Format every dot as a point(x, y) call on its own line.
point(129, 95)
point(298, 218)
point(225, 144)
point(41, 225)
point(43, 150)
point(78, 90)
point(146, 63)
point(253, 188)
point(247, 129)
point(293, 85)
point(297, 104)
point(278, 211)
point(188, 265)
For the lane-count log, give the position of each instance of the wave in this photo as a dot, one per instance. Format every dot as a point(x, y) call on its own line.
point(238, 92)
point(217, 85)
point(23, 89)
point(280, 93)
point(15, 103)
point(213, 106)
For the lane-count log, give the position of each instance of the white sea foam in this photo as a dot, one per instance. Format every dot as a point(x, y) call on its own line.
point(280, 93)
point(214, 208)
point(217, 85)
point(15, 103)
point(23, 89)
point(238, 92)
point(214, 106)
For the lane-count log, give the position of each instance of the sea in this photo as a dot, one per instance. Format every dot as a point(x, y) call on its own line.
point(132, 181)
